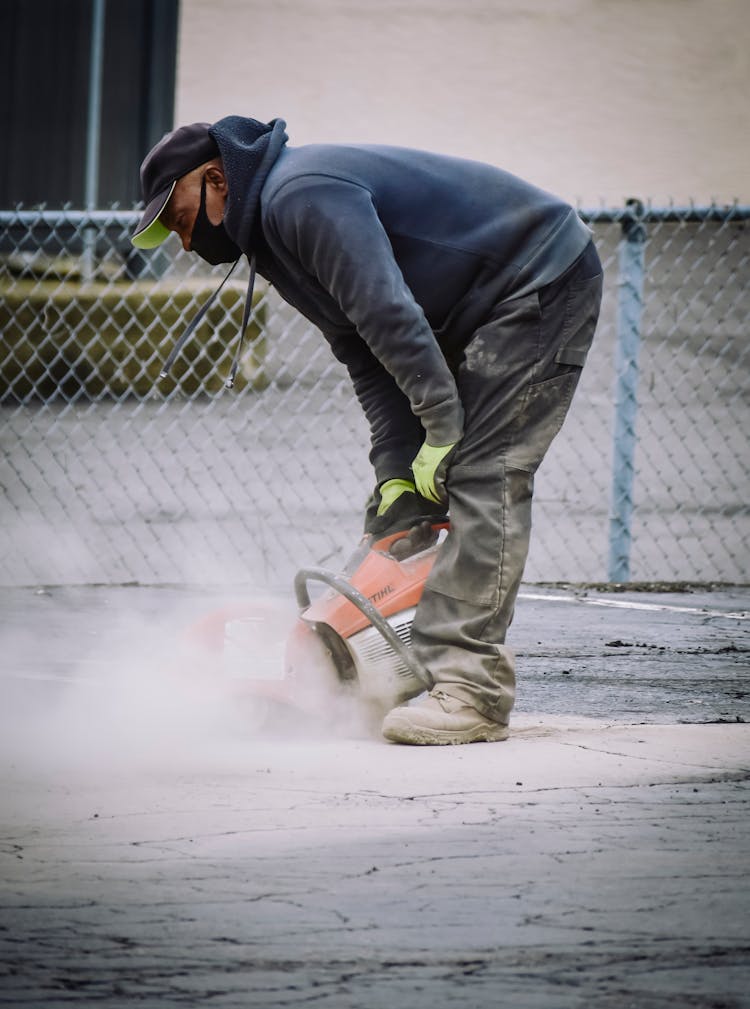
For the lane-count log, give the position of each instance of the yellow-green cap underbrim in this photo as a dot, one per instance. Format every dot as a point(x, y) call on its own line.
point(154, 233)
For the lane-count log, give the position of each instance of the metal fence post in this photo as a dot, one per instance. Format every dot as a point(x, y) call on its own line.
point(628, 339)
point(93, 130)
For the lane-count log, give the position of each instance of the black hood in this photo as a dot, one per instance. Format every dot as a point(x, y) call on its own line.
point(248, 150)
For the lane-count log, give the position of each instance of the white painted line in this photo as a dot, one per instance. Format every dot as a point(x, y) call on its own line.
point(51, 678)
point(628, 605)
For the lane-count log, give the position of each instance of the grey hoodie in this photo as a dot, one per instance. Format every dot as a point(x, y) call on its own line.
point(397, 255)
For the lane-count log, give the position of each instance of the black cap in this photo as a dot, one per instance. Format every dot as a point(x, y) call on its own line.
point(176, 154)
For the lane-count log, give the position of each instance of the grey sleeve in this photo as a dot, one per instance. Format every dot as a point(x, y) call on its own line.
point(395, 433)
point(332, 230)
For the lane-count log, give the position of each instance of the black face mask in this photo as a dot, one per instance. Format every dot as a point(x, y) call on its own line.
point(211, 241)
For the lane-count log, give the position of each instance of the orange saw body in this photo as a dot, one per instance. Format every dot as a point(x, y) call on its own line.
point(354, 637)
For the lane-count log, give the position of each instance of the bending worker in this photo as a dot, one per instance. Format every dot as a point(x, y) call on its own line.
point(462, 301)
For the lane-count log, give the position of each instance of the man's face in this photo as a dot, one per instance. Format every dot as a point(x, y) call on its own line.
point(180, 213)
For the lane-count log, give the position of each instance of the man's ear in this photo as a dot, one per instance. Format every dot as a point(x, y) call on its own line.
point(215, 177)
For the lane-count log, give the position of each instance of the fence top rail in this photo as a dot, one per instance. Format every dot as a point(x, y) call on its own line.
point(77, 218)
point(635, 210)
point(632, 210)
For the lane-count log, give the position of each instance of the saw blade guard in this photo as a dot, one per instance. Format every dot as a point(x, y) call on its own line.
point(364, 617)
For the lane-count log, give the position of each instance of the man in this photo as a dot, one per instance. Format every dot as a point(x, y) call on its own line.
point(463, 302)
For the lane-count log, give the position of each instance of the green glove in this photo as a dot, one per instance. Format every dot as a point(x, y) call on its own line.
point(430, 469)
point(391, 491)
point(395, 506)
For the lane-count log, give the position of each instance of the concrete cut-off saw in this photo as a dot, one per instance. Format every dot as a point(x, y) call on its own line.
point(348, 651)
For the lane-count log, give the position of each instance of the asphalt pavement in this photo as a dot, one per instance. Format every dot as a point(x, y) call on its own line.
point(159, 848)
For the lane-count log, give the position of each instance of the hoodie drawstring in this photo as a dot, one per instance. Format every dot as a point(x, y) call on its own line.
point(245, 320)
point(197, 319)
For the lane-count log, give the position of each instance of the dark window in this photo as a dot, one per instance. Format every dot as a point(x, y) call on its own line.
point(44, 67)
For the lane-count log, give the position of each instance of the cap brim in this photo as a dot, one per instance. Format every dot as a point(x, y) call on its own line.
point(151, 232)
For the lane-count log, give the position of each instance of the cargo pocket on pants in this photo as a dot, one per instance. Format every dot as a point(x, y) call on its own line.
point(540, 419)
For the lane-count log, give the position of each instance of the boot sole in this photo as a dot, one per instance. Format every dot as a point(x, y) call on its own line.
point(401, 731)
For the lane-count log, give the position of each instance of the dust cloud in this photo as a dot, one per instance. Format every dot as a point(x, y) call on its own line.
point(99, 682)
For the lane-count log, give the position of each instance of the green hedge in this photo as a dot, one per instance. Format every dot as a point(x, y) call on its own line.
point(58, 337)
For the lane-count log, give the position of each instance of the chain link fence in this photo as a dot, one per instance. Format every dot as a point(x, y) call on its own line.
point(109, 475)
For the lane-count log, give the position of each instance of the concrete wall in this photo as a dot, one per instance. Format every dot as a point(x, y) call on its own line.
point(594, 99)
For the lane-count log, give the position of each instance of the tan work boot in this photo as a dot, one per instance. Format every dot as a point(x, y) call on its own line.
point(439, 720)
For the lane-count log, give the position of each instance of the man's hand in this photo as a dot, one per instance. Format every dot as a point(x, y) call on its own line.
point(430, 469)
point(395, 505)
point(391, 491)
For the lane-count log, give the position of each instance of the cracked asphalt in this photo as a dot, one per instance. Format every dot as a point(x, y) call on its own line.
point(158, 851)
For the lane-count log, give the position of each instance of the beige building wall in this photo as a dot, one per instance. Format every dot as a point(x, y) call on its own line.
point(596, 100)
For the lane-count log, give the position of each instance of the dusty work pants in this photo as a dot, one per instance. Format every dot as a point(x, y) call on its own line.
point(516, 382)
